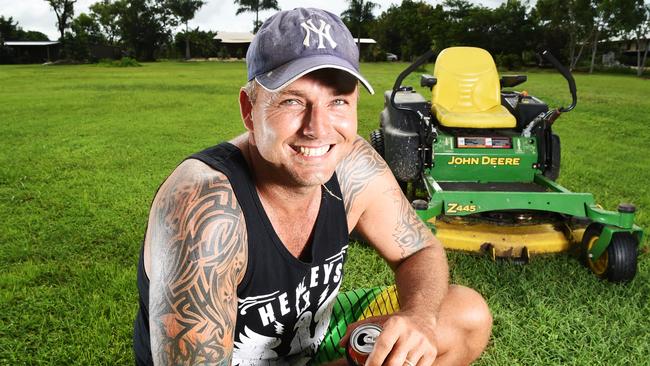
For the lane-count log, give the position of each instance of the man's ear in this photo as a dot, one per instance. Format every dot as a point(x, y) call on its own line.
point(246, 108)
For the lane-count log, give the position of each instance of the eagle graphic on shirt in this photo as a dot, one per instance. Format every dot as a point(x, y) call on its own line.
point(291, 324)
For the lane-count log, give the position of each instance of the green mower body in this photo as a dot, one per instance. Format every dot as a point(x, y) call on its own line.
point(492, 189)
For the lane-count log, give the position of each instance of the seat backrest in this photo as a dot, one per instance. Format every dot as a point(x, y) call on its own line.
point(467, 80)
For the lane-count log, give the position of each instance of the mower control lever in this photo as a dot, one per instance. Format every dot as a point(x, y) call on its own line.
point(567, 75)
point(398, 83)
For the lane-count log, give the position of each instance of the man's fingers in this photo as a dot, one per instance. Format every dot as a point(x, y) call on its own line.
point(426, 361)
point(407, 351)
point(404, 356)
point(398, 343)
point(383, 346)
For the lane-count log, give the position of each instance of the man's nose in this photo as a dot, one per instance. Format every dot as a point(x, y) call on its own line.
point(318, 123)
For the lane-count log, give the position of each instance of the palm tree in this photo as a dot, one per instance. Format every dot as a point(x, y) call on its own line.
point(184, 10)
point(255, 6)
point(358, 13)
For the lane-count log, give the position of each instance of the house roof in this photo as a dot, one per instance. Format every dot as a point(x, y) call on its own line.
point(31, 43)
point(234, 37)
point(247, 37)
point(365, 41)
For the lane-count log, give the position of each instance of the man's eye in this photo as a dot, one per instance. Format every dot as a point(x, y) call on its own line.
point(290, 102)
point(340, 102)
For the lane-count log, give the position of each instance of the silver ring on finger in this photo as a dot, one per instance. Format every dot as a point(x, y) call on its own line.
point(408, 363)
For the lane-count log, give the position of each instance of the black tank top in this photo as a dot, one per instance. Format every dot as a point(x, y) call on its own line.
point(284, 303)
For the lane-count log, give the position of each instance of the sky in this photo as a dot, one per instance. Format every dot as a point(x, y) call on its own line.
point(215, 15)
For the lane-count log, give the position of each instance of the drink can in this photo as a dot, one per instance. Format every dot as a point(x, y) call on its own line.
point(361, 343)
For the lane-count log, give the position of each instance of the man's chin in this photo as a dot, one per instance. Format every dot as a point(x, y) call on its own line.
point(314, 179)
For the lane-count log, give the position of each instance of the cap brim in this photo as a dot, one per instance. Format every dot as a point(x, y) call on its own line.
point(291, 71)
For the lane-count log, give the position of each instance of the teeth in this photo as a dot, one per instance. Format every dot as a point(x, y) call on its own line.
point(314, 151)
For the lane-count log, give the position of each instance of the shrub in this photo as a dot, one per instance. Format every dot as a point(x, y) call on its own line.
point(508, 61)
point(123, 62)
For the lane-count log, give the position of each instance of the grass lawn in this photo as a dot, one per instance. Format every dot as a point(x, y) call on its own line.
point(85, 147)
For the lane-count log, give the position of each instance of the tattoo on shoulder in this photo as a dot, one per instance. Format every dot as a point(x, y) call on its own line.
point(357, 169)
point(201, 257)
point(410, 233)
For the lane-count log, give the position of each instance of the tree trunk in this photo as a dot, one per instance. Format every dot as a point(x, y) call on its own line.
point(645, 56)
point(187, 42)
point(593, 51)
point(639, 68)
point(359, 37)
point(582, 47)
point(257, 20)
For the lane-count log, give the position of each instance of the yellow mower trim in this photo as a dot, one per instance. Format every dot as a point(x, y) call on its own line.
point(506, 240)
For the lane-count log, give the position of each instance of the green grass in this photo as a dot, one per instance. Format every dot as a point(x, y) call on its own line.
point(85, 147)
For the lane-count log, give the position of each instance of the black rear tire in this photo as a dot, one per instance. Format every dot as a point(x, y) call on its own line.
point(619, 262)
point(377, 141)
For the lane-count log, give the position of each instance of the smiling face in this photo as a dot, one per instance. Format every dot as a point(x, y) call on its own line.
point(299, 134)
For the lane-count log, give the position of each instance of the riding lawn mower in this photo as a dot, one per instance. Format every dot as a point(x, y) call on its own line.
point(479, 162)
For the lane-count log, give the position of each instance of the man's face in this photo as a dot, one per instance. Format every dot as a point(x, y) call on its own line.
point(303, 131)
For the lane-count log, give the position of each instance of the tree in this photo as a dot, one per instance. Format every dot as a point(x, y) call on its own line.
point(633, 21)
point(468, 24)
point(88, 26)
point(85, 31)
point(107, 15)
point(64, 10)
point(358, 13)
point(254, 6)
point(184, 10)
point(603, 22)
point(410, 29)
point(8, 30)
point(642, 31)
point(144, 26)
point(513, 31)
point(201, 42)
point(573, 18)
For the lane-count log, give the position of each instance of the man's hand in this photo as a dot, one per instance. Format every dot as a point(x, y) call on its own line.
point(404, 337)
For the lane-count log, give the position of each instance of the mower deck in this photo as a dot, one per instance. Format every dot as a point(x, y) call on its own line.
point(506, 241)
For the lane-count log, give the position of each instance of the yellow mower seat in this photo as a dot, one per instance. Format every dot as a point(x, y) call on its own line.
point(467, 93)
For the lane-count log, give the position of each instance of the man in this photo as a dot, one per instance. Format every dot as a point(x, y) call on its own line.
point(244, 250)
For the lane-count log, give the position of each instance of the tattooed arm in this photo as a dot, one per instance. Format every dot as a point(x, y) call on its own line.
point(378, 210)
point(198, 255)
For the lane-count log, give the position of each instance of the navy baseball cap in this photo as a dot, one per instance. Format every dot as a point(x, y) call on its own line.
point(293, 43)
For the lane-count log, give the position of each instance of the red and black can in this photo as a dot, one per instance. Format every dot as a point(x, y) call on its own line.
point(361, 343)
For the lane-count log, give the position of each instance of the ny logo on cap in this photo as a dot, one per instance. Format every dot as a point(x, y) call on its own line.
point(323, 32)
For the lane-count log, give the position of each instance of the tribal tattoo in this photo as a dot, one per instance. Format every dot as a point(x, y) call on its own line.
point(357, 170)
point(410, 233)
point(199, 255)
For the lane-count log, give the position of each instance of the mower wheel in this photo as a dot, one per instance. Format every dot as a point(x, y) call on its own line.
point(619, 262)
point(377, 141)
